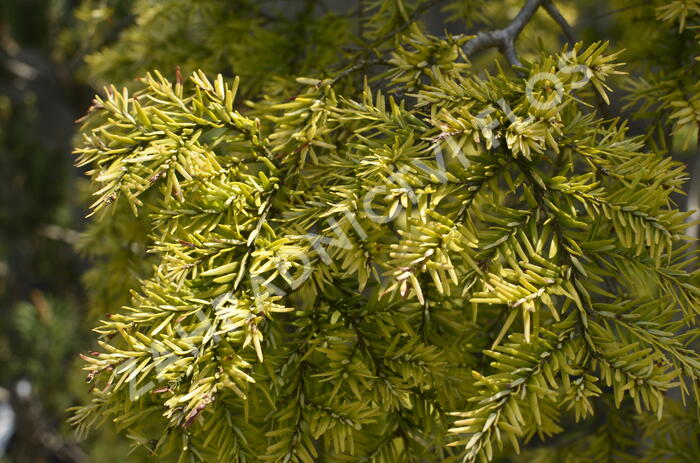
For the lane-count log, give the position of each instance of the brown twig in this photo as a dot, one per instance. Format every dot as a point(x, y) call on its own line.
point(363, 63)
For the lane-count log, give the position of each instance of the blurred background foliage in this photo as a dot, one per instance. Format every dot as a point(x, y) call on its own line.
point(54, 54)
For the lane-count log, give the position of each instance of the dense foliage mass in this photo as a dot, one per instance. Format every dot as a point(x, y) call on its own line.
point(401, 258)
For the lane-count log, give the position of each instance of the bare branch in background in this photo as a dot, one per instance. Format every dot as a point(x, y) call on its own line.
point(505, 38)
point(556, 15)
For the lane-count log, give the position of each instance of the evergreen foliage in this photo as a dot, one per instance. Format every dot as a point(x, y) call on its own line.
point(428, 264)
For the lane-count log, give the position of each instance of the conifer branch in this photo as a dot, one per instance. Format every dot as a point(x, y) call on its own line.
point(363, 61)
point(316, 258)
point(415, 16)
